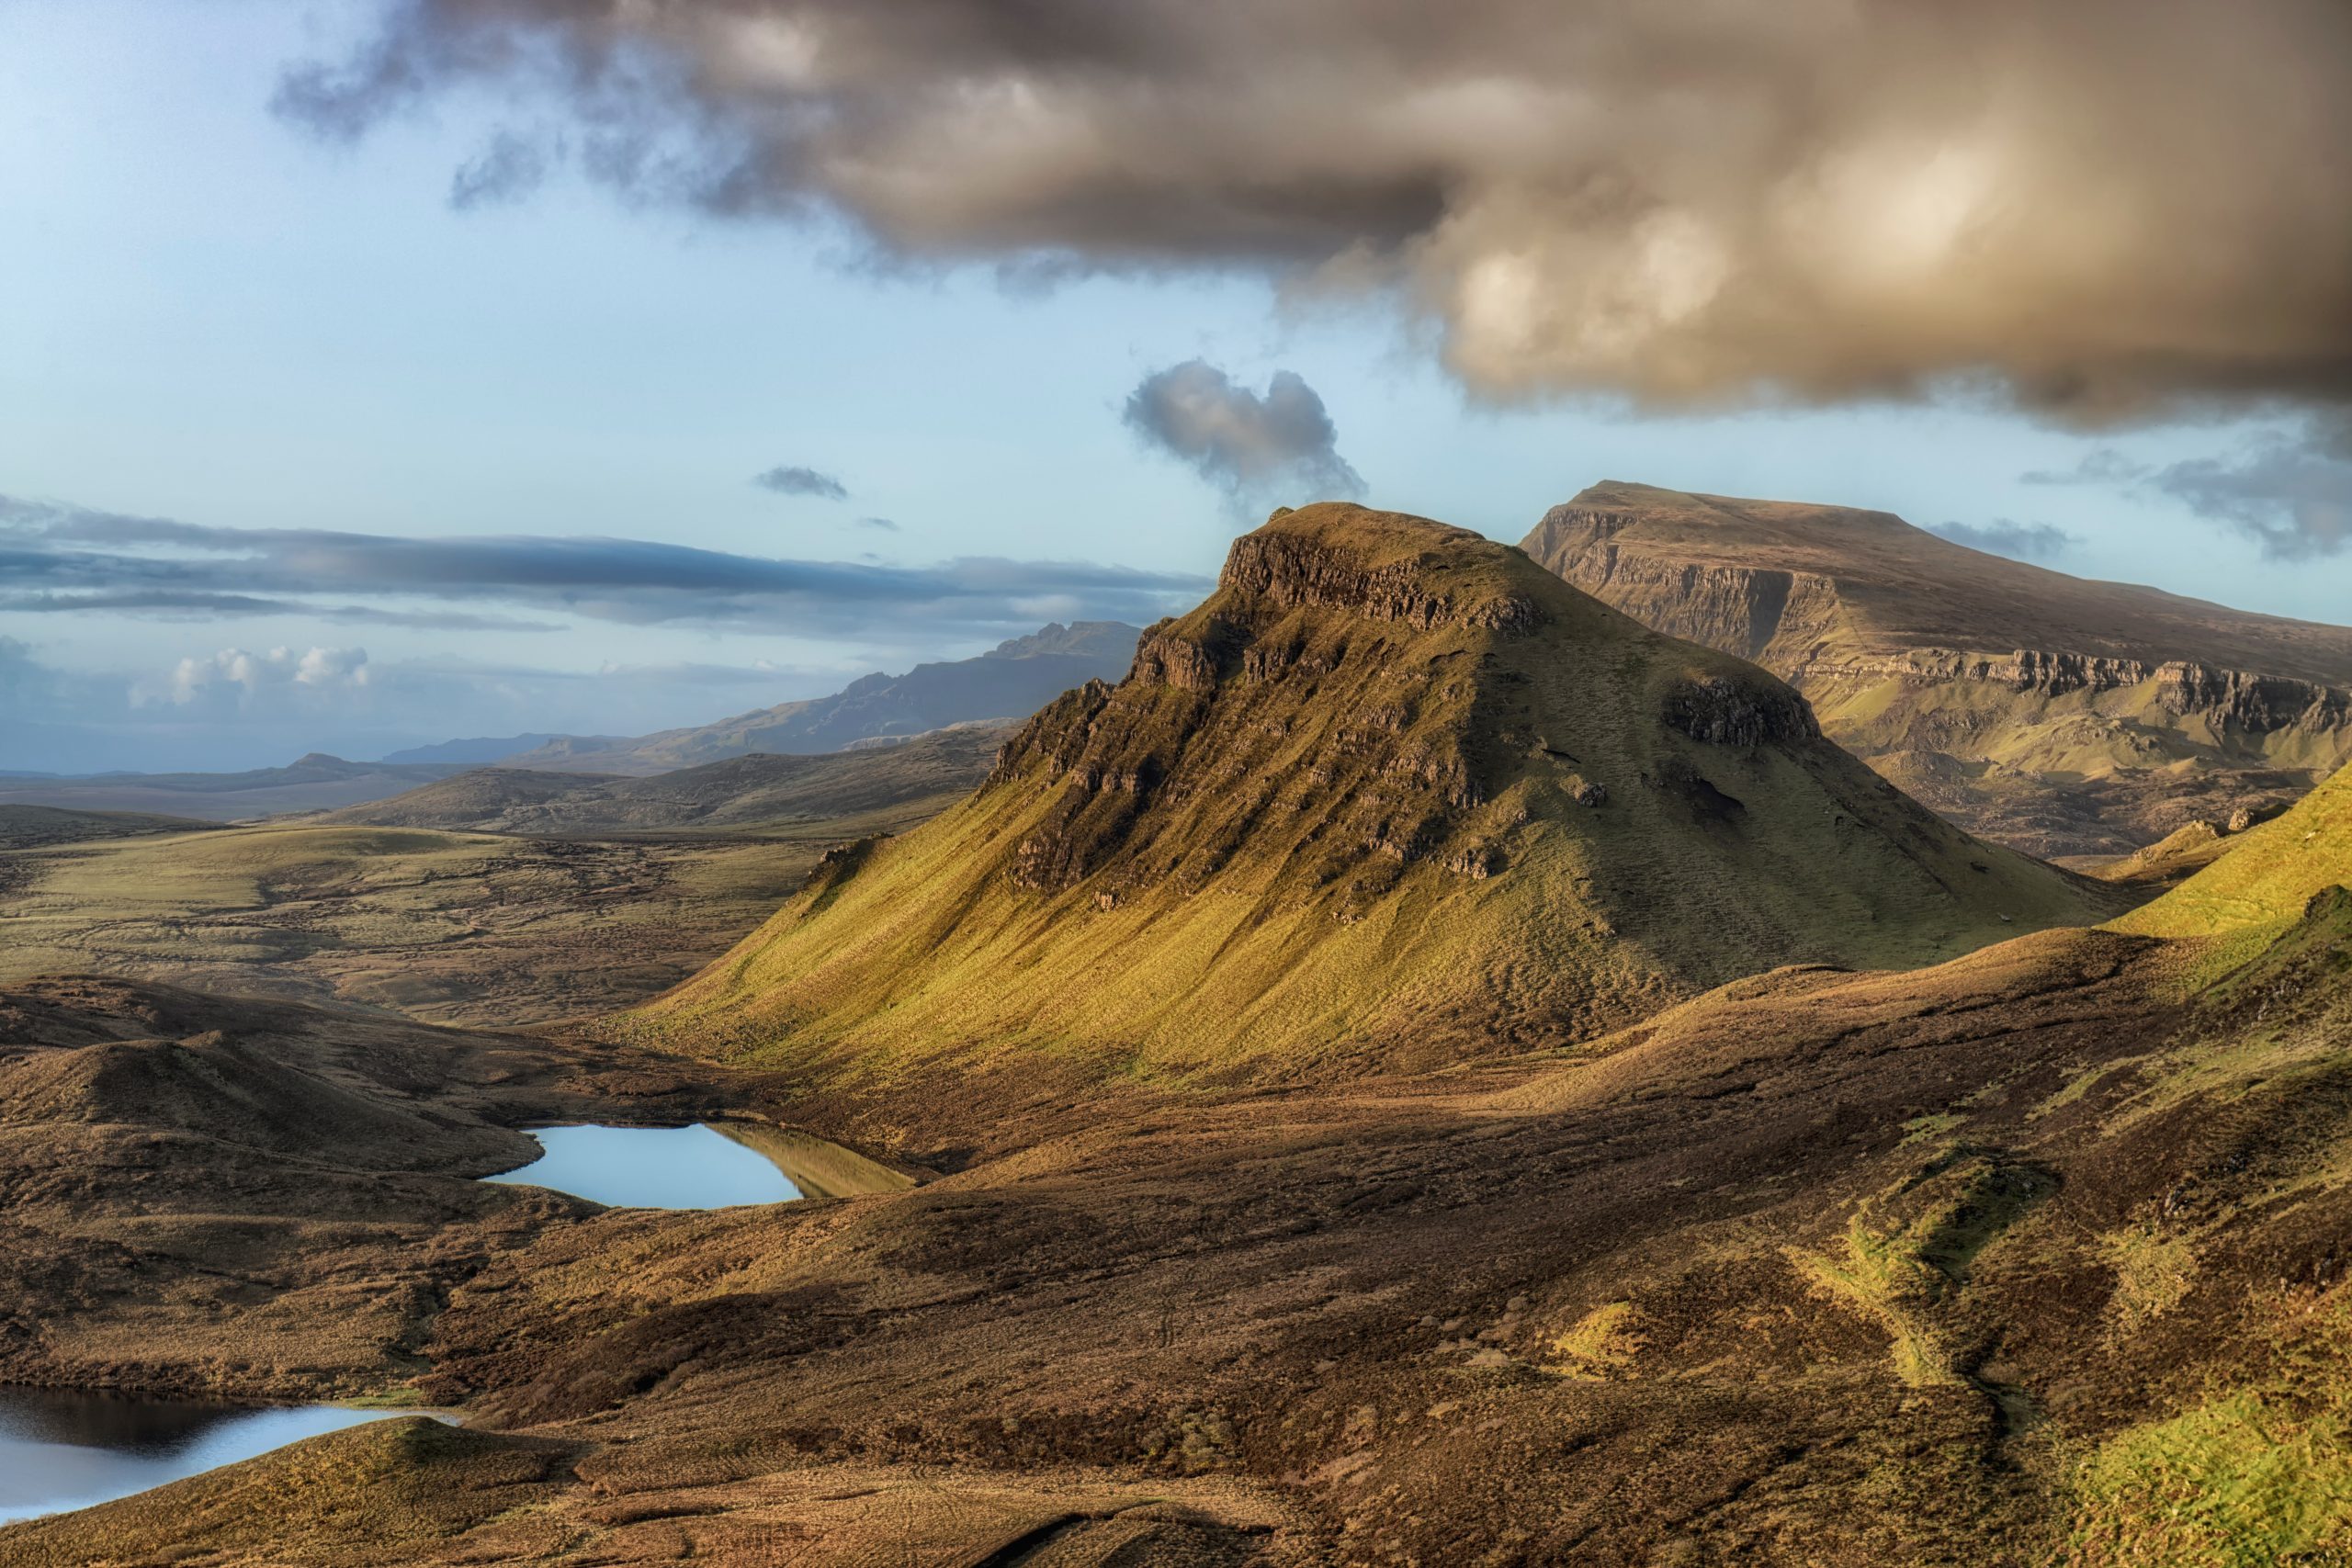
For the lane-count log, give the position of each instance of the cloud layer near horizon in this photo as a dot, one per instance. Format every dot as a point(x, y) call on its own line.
point(2106, 209)
point(61, 559)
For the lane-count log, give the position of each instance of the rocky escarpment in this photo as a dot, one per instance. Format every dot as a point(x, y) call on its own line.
point(1393, 785)
point(1287, 574)
point(2065, 716)
point(1392, 792)
point(1747, 611)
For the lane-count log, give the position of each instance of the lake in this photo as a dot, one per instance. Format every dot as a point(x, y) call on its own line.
point(61, 1449)
point(701, 1167)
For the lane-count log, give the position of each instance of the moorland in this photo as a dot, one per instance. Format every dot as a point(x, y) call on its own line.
point(1426, 1068)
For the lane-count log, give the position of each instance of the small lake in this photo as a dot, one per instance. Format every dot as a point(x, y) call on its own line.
point(701, 1167)
point(61, 1449)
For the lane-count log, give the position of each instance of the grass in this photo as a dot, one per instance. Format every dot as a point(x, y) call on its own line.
point(2264, 885)
point(2247, 1478)
point(1884, 1278)
point(1206, 875)
point(1602, 1346)
point(2154, 1269)
point(451, 927)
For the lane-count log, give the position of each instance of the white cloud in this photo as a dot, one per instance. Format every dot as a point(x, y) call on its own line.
point(235, 676)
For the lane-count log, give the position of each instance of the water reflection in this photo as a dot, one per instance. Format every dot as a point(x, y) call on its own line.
point(702, 1167)
point(61, 1449)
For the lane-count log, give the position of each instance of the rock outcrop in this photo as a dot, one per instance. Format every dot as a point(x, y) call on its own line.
point(2084, 718)
point(1393, 794)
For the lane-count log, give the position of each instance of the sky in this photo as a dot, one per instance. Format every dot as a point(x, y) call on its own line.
point(376, 374)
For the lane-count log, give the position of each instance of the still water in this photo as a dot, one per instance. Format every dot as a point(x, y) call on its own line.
point(653, 1167)
point(702, 1167)
point(61, 1449)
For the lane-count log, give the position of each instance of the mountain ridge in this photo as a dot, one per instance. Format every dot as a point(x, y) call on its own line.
point(2066, 716)
point(1005, 684)
point(1385, 747)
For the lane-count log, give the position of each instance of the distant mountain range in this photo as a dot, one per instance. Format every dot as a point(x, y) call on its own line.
point(478, 750)
point(2058, 714)
point(1007, 683)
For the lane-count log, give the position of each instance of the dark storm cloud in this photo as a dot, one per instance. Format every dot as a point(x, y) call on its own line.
point(801, 481)
point(1249, 446)
point(60, 557)
point(2019, 541)
point(2105, 208)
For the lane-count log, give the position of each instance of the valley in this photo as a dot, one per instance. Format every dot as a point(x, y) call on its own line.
point(493, 896)
point(777, 789)
point(1422, 1069)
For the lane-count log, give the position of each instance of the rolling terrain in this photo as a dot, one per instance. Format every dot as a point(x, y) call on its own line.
point(2032, 1257)
point(31, 827)
point(758, 795)
point(1008, 684)
point(496, 895)
point(1640, 1210)
point(2063, 716)
point(1384, 747)
point(448, 927)
point(315, 782)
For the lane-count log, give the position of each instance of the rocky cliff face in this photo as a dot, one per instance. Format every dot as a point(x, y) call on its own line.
point(1871, 620)
point(1391, 792)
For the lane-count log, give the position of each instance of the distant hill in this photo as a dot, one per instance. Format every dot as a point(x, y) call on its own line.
point(32, 826)
point(313, 783)
point(1394, 795)
point(739, 795)
point(1009, 682)
point(481, 749)
point(2058, 714)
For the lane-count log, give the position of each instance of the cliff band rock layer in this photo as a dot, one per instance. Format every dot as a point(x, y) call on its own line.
point(1392, 795)
point(2061, 716)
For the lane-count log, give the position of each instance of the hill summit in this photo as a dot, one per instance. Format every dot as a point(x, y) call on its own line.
point(1393, 794)
point(2060, 714)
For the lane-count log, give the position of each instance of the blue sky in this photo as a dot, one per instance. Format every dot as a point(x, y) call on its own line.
point(208, 317)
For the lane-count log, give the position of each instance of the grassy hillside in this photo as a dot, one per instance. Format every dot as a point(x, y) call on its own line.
point(2065, 717)
point(2268, 877)
point(453, 928)
point(28, 826)
point(2024, 1258)
point(1391, 794)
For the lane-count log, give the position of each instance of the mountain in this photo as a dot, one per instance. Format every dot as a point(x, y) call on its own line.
point(1009, 682)
point(739, 794)
point(2058, 714)
point(1394, 794)
point(481, 749)
point(312, 782)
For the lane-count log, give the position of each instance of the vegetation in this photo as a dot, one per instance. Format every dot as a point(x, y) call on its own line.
point(455, 928)
point(868, 790)
point(2266, 883)
point(2255, 1477)
point(2066, 717)
point(1391, 794)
